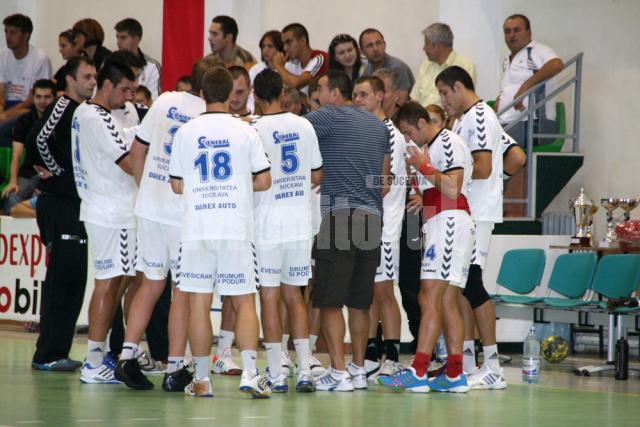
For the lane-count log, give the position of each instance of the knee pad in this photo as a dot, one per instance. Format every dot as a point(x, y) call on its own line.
point(474, 291)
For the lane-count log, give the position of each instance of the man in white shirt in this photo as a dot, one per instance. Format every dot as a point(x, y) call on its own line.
point(217, 161)
point(102, 172)
point(128, 36)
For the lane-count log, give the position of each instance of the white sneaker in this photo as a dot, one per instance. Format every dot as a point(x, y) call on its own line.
point(102, 374)
point(358, 375)
point(199, 388)
point(288, 367)
point(389, 367)
point(254, 384)
point(277, 384)
point(486, 379)
point(149, 365)
point(334, 380)
point(306, 383)
point(225, 365)
point(317, 370)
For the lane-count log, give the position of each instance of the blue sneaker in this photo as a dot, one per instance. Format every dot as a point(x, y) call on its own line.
point(405, 379)
point(102, 374)
point(452, 385)
point(277, 384)
point(62, 365)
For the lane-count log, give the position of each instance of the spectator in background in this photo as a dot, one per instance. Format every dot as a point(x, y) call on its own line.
point(292, 102)
point(183, 84)
point(23, 178)
point(270, 44)
point(438, 46)
point(67, 49)
point(25, 209)
point(128, 36)
point(143, 97)
point(314, 100)
point(223, 33)
point(392, 92)
point(437, 116)
point(344, 55)
point(88, 36)
point(374, 48)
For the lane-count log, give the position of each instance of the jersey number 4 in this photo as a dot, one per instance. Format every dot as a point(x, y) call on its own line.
point(431, 252)
point(220, 169)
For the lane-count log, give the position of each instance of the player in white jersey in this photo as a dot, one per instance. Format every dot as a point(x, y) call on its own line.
point(444, 166)
point(102, 171)
point(158, 210)
point(217, 161)
point(368, 92)
point(479, 127)
point(283, 225)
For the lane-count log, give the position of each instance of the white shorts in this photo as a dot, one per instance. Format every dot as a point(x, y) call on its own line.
point(288, 263)
point(158, 247)
point(448, 243)
point(230, 265)
point(389, 262)
point(483, 240)
point(114, 251)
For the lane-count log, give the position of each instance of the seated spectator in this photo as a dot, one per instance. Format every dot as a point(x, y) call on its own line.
point(128, 36)
point(344, 55)
point(183, 84)
point(25, 209)
point(23, 178)
point(67, 49)
point(292, 101)
point(88, 36)
point(270, 44)
point(374, 48)
point(143, 97)
point(223, 33)
point(437, 116)
point(314, 96)
point(438, 46)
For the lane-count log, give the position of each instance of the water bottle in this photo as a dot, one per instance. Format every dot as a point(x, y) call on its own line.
point(441, 350)
point(531, 358)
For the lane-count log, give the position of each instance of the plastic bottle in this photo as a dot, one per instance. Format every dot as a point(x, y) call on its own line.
point(441, 350)
point(622, 359)
point(531, 358)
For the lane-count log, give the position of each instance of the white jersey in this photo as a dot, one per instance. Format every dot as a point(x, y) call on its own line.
point(480, 129)
point(216, 156)
point(108, 194)
point(284, 212)
point(393, 204)
point(156, 200)
point(507, 143)
point(129, 120)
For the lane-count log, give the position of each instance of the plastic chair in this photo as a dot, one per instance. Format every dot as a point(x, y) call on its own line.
point(5, 166)
point(521, 273)
point(571, 277)
point(561, 129)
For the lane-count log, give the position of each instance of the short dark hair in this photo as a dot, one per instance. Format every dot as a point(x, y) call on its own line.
point(67, 34)
point(298, 30)
point(92, 31)
point(200, 67)
point(45, 84)
point(411, 112)
point(19, 21)
point(238, 71)
point(449, 76)
point(115, 72)
point(338, 79)
point(368, 31)
point(217, 84)
point(267, 85)
point(184, 79)
point(527, 23)
point(127, 58)
point(228, 25)
point(130, 26)
point(276, 38)
point(144, 91)
point(72, 65)
point(376, 83)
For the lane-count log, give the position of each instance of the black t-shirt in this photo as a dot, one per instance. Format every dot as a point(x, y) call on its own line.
point(20, 130)
point(60, 78)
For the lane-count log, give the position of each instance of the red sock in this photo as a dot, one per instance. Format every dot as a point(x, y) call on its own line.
point(454, 365)
point(421, 363)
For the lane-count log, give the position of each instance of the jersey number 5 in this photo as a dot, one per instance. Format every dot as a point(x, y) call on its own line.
point(290, 159)
point(221, 168)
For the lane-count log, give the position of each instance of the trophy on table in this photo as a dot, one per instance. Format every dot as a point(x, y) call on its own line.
point(583, 210)
point(627, 206)
point(610, 205)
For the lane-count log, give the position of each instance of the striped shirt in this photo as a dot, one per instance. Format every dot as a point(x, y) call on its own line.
point(353, 143)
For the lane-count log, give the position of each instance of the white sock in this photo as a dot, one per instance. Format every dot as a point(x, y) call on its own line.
point(174, 364)
point(312, 342)
point(285, 343)
point(302, 353)
point(225, 341)
point(95, 353)
point(274, 358)
point(491, 358)
point(129, 351)
point(468, 356)
point(202, 367)
point(249, 358)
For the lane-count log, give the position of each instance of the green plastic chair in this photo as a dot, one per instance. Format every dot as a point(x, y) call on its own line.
point(521, 273)
point(616, 276)
point(5, 167)
point(561, 128)
point(571, 277)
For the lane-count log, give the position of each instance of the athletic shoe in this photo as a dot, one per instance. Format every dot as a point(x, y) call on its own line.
point(358, 375)
point(62, 365)
point(102, 374)
point(177, 381)
point(288, 367)
point(279, 384)
point(333, 380)
point(486, 379)
point(149, 365)
point(256, 385)
point(317, 370)
point(305, 383)
point(129, 372)
point(452, 385)
point(405, 379)
point(199, 388)
point(436, 372)
point(225, 365)
point(389, 367)
point(372, 368)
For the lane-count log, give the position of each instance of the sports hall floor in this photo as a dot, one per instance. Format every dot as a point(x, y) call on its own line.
point(29, 397)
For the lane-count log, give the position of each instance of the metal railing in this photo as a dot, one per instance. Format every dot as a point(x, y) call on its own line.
point(534, 104)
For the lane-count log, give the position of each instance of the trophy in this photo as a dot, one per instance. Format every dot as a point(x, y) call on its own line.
point(583, 210)
point(627, 206)
point(610, 205)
